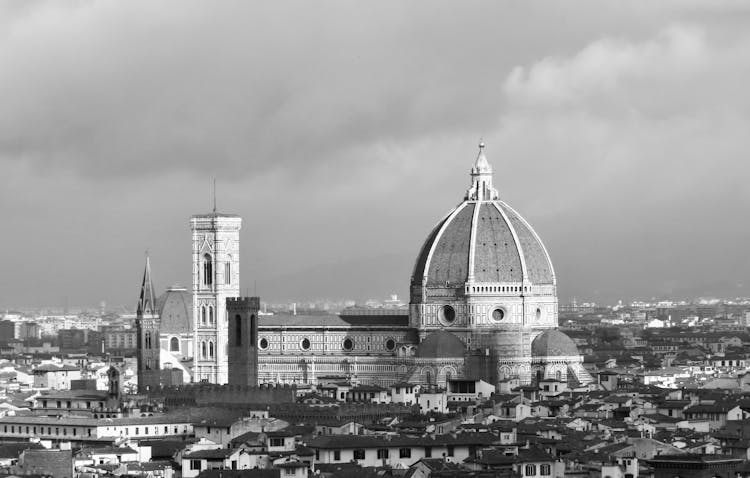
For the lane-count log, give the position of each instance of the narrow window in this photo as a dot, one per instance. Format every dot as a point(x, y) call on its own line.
point(211, 350)
point(210, 315)
point(203, 315)
point(238, 331)
point(174, 344)
point(208, 272)
point(228, 273)
point(203, 349)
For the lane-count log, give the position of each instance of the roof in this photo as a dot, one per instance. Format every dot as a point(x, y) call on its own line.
point(175, 308)
point(70, 420)
point(553, 343)
point(441, 344)
point(488, 238)
point(12, 450)
point(255, 473)
point(214, 454)
point(365, 441)
point(346, 321)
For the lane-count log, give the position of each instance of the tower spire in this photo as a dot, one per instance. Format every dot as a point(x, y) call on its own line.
point(481, 179)
point(147, 300)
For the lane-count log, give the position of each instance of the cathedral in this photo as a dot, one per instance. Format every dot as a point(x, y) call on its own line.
point(483, 305)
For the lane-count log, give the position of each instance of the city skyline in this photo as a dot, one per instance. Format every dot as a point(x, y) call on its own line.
point(620, 134)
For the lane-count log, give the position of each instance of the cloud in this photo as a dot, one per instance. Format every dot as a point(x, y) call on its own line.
point(342, 132)
point(646, 143)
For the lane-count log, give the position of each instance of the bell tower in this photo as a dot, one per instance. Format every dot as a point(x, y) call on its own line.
point(216, 277)
point(147, 335)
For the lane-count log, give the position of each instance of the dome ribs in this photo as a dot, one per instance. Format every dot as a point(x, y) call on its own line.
point(449, 262)
point(497, 258)
point(538, 264)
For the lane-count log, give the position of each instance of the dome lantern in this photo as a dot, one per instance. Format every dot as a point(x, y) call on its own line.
point(481, 179)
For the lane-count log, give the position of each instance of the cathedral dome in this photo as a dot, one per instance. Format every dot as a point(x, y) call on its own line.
point(482, 240)
point(175, 308)
point(441, 344)
point(553, 343)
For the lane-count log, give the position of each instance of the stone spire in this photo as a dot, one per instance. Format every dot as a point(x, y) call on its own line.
point(147, 300)
point(481, 179)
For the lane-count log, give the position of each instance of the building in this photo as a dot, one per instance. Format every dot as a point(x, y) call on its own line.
point(483, 306)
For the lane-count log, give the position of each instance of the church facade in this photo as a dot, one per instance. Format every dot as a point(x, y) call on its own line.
point(483, 304)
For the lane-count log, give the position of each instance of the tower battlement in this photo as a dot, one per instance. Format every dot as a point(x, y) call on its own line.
point(234, 303)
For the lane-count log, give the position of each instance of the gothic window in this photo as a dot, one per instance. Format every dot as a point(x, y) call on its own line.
point(174, 344)
point(228, 271)
point(210, 315)
point(148, 340)
point(238, 330)
point(210, 350)
point(208, 272)
point(203, 315)
point(203, 349)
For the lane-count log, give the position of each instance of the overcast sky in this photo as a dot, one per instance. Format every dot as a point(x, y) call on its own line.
point(342, 131)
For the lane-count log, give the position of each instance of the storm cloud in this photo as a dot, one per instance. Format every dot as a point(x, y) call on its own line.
point(341, 132)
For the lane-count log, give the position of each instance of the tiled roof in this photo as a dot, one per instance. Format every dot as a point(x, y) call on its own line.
point(215, 454)
point(255, 473)
point(278, 320)
point(361, 441)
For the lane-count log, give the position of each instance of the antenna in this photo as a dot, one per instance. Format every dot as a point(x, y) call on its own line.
point(214, 195)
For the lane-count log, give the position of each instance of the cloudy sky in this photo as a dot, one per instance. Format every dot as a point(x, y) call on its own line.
point(342, 131)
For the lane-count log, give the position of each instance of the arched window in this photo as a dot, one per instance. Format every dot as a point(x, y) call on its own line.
point(210, 350)
point(208, 270)
point(558, 375)
point(148, 340)
point(210, 315)
point(228, 271)
point(174, 344)
point(203, 349)
point(203, 315)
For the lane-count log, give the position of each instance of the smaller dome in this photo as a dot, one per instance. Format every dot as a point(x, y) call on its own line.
point(553, 343)
point(175, 311)
point(441, 344)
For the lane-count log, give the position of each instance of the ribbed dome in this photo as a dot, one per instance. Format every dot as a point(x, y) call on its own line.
point(553, 343)
point(482, 240)
point(441, 344)
point(505, 248)
point(175, 308)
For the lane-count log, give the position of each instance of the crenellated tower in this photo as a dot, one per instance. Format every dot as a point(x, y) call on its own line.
point(243, 340)
point(216, 277)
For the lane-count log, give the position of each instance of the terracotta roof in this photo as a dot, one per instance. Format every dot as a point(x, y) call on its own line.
point(553, 343)
point(441, 344)
point(348, 321)
point(175, 308)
